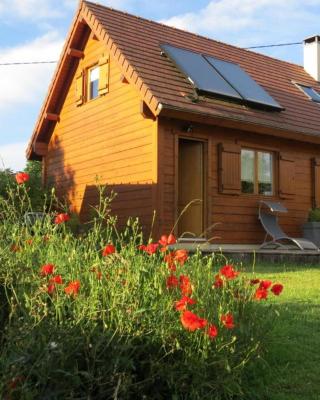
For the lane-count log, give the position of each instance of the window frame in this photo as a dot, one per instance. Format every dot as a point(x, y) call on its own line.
point(88, 82)
point(301, 86)
point(256, 172)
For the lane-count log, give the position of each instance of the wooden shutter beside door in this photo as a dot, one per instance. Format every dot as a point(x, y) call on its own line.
point(286, 176)
point(316, 182)
point(104, 75)
point(79, 89)
point(229, 169)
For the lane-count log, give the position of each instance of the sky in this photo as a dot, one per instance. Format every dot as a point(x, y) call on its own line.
point(35, 30)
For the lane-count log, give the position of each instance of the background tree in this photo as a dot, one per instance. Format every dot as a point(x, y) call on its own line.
point(36, 191)
point(6, 181)
point(34, 185)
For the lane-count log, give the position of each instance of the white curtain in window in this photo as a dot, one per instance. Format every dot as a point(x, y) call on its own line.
point(247, 165)
point(94, 74)
point(264, 167)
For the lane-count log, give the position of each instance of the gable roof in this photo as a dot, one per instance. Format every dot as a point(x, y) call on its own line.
point(134, 43)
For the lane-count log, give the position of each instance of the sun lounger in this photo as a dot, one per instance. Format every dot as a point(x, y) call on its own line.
point(279, 238)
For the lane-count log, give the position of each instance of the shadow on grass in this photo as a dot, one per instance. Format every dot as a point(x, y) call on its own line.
point(65, 362)
point(290, 368)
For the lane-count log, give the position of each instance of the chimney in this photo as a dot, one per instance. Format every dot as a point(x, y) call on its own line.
point(311, 56)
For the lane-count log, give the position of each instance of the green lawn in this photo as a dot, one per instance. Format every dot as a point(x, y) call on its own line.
point(294, 353)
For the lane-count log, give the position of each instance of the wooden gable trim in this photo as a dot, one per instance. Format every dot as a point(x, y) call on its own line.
point(84, 17)
point(128, 71)
point(77, 25)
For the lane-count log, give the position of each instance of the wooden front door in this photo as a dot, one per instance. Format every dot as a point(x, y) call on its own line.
point(191, 187)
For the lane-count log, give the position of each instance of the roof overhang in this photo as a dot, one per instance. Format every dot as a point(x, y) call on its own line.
point(236, 122)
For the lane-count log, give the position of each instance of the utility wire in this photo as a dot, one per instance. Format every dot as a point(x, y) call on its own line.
point(54, 62)
point(28, 63)
point(272, 45)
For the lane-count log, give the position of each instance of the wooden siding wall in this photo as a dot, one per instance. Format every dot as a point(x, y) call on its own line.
point(237, 215)
point(106, 138)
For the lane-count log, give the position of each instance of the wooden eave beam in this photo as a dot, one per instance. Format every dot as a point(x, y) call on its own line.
point(40, 149)
point(145, 111)
point(75, 53)
point(52, 117)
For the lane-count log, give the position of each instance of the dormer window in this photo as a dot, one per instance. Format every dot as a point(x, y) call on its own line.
point(309, 92)
point(93, 82)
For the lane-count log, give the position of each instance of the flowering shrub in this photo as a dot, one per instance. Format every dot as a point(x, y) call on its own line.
point(105, 315)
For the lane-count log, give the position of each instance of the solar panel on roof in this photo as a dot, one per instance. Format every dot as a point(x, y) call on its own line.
point(211, 75)
point(310, 92)
point(200, 72)
point(243, 83)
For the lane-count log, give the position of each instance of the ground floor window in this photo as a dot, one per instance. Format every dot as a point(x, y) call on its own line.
point(257, 172)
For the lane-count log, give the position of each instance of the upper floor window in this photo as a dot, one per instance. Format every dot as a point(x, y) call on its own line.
point(93, 83)
point(257, 172)
point(309, 92)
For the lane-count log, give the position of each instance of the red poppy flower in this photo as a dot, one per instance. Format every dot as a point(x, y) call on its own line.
point(150, 248)
point(99, 275)
point(181, 256)
point(172, 282)
point(227, 321)
point(72, 288)
point(109, 249)
point(212, 331)
point(191, 321)
point(218, 283)
point(265, 284)
point(47, 269)
point(165, 241)
point(254, 281)
point(181, 304)
point(56, 279)
point(29, 242)
point(229, 272)
point(51, 288)
point(15, 248)
point(185, 285)
point(61, 218)
point(15, 382)
point(261, 293)
point(22, 177)
point(277, 289)
point(169, 259)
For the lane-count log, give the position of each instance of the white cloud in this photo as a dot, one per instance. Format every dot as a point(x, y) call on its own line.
point(247, 22)
point(33, 9)
point(13, 156)
point(23, 84)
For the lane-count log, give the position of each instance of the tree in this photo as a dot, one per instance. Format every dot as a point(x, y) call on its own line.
point(36, 191)
point(6, 181)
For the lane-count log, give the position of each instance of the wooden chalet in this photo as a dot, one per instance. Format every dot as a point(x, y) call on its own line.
point(129, 103)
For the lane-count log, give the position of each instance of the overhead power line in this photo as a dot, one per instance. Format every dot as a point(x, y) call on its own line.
point(29, 62)
point(54, 62)
point(272, 45)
